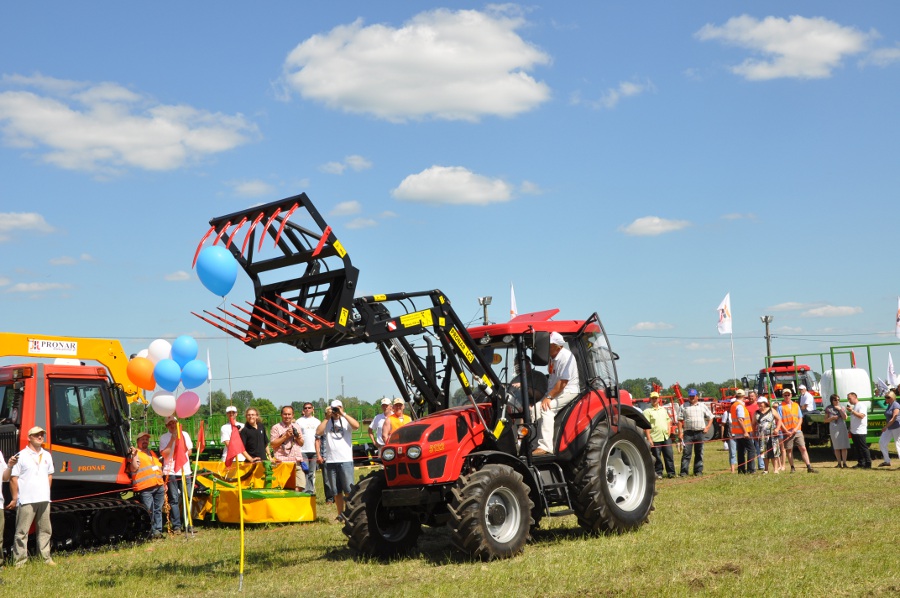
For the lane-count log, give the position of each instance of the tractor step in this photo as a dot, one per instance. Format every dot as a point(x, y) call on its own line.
point(562, 513)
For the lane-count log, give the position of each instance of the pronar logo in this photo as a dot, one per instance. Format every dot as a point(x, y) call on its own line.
point(37, 346)
point(454, 334)
point(66, 466)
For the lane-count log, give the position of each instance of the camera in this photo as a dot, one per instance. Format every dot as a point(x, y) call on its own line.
point(336, 410)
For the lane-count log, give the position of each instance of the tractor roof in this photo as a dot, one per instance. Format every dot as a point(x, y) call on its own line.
point(539, 321)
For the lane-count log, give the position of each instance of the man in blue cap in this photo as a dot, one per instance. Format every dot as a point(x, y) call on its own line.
point(694, 421)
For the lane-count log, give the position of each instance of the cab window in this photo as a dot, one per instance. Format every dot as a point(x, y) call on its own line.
point(79, 416)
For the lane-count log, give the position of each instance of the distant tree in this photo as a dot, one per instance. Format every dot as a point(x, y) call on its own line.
point(219, 401)
point(269, 413)
point(241, 399)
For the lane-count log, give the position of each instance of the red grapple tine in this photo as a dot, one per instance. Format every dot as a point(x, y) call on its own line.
point(222, 232)
point(240, 224)
point(308, 313)
point(284, 221)
point(200, 246)
point(262, 319)
point(256, 220)
point(266, 228)
point(243, 339)
point(249, 324)
point(232, 324)
point(282, 320)
point(324, 238)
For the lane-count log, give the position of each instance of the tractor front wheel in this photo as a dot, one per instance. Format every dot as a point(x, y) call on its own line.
point(614, 484)
point(372, 529)
point(490, 513)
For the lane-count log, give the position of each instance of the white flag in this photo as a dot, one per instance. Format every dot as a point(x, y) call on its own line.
point(325, 355)
point(514, 311)
point(208, 368)
point(725, 315)
point(892, 379)
point(897, 325)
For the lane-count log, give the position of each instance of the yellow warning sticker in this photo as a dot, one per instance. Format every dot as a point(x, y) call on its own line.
point(417, 318)
point(442, 322)
point(339, 248)
point(441, 299)
point(343, 319)
point(380, 297)
point(454, 334)
point(464, 380)
point(487, 381)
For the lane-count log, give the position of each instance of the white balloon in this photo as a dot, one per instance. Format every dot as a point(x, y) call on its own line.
point(142, 353)
point(159, 349)
point(163, 403)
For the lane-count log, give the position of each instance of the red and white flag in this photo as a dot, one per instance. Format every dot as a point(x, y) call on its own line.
point(892, 378)
point(897, 325)
point(201, 438)
point(725, 315)
point(513, 310)
point(235, 443)
point(181, 454)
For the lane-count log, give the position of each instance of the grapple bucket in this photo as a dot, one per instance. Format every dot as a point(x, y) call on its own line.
point(302, 277)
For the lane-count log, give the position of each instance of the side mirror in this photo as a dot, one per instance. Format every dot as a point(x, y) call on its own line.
point(745, 382)
point(540, 354)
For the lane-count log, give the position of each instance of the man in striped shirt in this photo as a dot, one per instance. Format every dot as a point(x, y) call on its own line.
point(694, 421)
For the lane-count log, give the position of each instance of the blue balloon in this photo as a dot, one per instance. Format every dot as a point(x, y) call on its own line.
point(217, 269)
point(167, 374)
point(184, 349)
point(194, 373)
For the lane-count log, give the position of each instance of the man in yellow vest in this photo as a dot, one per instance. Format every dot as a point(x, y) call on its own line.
point(791, 421)
point(742, 434)
point(146, 474)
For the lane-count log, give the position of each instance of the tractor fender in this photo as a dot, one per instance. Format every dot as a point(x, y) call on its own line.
point(479, 459)
point(635, 414)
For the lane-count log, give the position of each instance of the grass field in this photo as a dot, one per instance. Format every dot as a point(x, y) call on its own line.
point(832, 534)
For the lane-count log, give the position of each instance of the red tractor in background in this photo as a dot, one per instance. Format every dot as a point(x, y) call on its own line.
point(466, 461)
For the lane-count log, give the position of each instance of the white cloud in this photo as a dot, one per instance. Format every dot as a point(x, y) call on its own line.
point(251, 188)
point(610, 98)
point(707, 360)
point(797, 47)
point(86, 257)
point(882, 57)
point(737, 216)
point(792, 306)
point(529, 188)
point(832, 311)
point(17, 222)
point(178, 276)
point(698, 347)
point(789, 330)
point(346, 208)
point(361, 223)
point(63, 260)
point(355, 163)
point(105, 128)
point(650, 226)
point(4, 281)
point(37, 287)
point(387, 214)
point(644, 326)
point(452, 185)
point(440, 64)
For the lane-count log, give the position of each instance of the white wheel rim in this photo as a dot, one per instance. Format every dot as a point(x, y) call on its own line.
point(502, 515)
point(626, 478)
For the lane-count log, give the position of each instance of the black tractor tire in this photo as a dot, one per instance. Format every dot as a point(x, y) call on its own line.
point(613, 483)
point(370, 528)
point(490, 513)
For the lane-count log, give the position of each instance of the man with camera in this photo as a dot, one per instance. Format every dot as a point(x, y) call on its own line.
point(287, 441)
point(337, 436)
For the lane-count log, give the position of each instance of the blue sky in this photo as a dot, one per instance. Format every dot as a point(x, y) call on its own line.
point(639, 159)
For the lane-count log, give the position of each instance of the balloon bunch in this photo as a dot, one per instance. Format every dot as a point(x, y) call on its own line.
point(166, 366)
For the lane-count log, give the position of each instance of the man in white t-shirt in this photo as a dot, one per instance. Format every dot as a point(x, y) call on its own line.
point(859, 423)
point(807, 401)
point(308, 422)
point(564, 387)
point(226, 431)
point(167, 448)
point(375, 431)
point(29, 488)
point(337, 434)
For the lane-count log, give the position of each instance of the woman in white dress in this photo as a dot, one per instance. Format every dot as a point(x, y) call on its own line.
point(836, 417)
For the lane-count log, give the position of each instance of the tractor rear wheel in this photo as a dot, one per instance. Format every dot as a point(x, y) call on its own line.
point(613, 484)
point(490, 513)
point(372, 529)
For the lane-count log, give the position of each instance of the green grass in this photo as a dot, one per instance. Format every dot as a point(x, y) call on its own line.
point(832, 534)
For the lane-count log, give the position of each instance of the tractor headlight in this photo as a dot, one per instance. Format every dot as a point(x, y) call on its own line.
point(388, 454)
point(414, 452)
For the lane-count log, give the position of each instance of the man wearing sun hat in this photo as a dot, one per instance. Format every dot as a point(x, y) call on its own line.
point(791, 422)
point(658, 436)
point(375, 428)
point(337, 436)
point(225, 432)
point(563, 387)
point(146, 474)
point(29, 489)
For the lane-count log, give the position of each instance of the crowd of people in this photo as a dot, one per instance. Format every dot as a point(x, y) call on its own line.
point(760, 436)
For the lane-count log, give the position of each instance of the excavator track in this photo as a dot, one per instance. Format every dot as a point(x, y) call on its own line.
point(86, 523)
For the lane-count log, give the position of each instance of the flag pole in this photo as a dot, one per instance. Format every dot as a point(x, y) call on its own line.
point(241, 515)
point(733, 367)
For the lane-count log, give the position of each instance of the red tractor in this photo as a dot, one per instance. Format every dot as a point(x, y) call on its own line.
point(466, 460)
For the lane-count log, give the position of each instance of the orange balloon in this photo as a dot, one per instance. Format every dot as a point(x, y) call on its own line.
point(140, 372)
